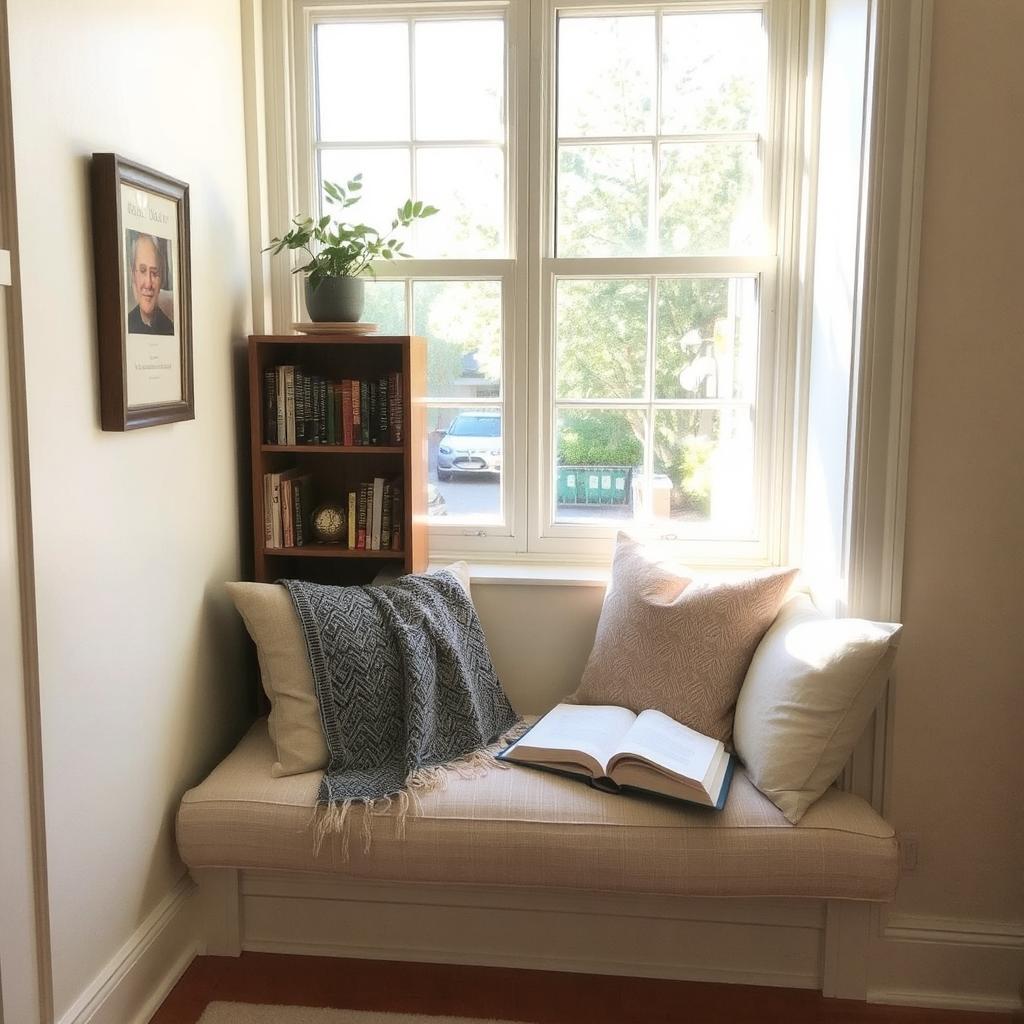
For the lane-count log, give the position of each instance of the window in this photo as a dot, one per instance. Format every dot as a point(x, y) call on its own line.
point(600, 292)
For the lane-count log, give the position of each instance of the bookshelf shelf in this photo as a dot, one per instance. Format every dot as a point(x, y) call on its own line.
point(335, 449)
point(330, 551)
point(401, 360)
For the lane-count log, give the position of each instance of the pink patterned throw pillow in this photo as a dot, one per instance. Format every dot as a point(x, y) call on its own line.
point(682, 645)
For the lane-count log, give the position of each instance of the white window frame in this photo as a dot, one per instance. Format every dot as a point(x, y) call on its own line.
point(527, 275)
point(505, 537)
point(774, 387)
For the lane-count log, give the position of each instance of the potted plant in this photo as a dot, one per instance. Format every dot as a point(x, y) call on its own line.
point(340, 252)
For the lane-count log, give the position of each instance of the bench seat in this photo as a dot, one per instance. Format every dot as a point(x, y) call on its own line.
point(522, 827)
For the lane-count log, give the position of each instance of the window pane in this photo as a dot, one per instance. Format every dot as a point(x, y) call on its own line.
point(385, 306)
point(386, 183)
point(348, 55)
point(465, 452)
point(460, 97)
point(603, 200)
point(598, 465)
point(710, 197)
point(601, 338)
point(706, 338)
point(606, 76)
point(703, 468)
point(461, 321)
point(713, 73)
point(468, 186)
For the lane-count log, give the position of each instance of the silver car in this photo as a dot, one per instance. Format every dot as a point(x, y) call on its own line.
point(472, 445)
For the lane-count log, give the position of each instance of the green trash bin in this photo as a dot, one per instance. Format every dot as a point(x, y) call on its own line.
point(622, 479)
point(567, 484)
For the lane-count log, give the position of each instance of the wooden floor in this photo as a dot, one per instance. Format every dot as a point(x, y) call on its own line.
point(539, 997)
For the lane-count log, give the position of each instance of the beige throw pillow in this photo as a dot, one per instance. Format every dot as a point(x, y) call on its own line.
point(809, 692)
point(668, 641)
point(294, 721)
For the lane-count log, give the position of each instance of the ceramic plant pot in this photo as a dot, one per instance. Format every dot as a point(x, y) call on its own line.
point(335, 299)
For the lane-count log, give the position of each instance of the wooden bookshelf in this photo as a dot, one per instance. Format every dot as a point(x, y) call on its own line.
point(336, 469)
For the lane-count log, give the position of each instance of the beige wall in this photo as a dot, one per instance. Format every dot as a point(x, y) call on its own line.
point(139, 655)
point(957, 772)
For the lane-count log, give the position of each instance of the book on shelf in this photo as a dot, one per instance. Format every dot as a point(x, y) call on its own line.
point(385, 517)
point(269, 407)
point(397, 514)
point(362, 508)
point(302, 408)
point(278, 510)
point(376, 513)
point(350, 522)
point(615, 750)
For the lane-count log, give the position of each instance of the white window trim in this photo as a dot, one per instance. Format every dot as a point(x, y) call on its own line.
point(268, 60)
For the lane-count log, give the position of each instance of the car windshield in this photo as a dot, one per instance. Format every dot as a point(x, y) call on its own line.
point(475, 426)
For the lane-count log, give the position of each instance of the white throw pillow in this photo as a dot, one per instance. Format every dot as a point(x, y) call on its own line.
point(808, 694)
point(294, 721)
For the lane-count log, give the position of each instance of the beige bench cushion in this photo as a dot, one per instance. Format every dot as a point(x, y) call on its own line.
point(520, 826)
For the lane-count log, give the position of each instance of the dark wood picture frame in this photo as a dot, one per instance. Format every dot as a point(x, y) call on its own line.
point(141, 391)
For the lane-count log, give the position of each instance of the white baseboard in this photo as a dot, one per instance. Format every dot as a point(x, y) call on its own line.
point(946, 1001)
point(949, 963)
point(139, 976)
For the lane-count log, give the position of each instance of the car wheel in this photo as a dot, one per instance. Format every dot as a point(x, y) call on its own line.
point(444, 475)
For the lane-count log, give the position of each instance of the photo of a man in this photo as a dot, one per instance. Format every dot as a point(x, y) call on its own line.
point(147, 270)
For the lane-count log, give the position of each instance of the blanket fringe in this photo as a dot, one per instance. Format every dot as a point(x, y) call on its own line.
point(334, 820)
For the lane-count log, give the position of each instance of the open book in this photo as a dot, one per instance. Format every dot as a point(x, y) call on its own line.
point(615, 749)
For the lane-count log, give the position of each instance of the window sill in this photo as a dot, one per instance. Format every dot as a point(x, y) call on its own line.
point(531, 574)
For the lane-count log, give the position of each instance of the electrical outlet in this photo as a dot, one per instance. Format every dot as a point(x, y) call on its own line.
point(908, 852)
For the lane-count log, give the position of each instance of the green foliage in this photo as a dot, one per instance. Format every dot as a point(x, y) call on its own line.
point(691, 481)
point(598, 439)
point(344, 249)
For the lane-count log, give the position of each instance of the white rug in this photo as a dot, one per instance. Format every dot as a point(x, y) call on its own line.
point(261, 1013)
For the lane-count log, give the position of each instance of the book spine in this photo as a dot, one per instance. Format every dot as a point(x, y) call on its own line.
point(336, 404)
point(322, 406)
point(351, 521)
point(357, 413)
point(269, 406)
point(309, 390)
point(268, 512)
point(346, 413)
point(331, 437)
point(397, 514)
point(361, 517)
point(287, 531)
point(364, 411)
point(300, 406)
point(282, 411)
point(275, 500)
point(397, 424)
point(289, 401)
point(301, 509)
point(378, 511)
point(383, 412)
point(313, 436)
point(385, 517)
point(371, 389)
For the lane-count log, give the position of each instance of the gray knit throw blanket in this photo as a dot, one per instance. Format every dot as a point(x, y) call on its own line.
point(406, 687)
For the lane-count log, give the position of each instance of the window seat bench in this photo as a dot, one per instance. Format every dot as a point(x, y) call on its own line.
point(526, 868)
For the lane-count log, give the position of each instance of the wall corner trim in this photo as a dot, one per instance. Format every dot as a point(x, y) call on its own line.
point(139, 976)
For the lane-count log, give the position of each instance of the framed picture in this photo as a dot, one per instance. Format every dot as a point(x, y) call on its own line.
point(143, 294)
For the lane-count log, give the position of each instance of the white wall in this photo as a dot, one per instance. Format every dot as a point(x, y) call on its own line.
point(140, 656)
point(957, 776)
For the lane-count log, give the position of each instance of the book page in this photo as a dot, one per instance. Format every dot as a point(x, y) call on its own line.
point(571, 730)
point(679, 750)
